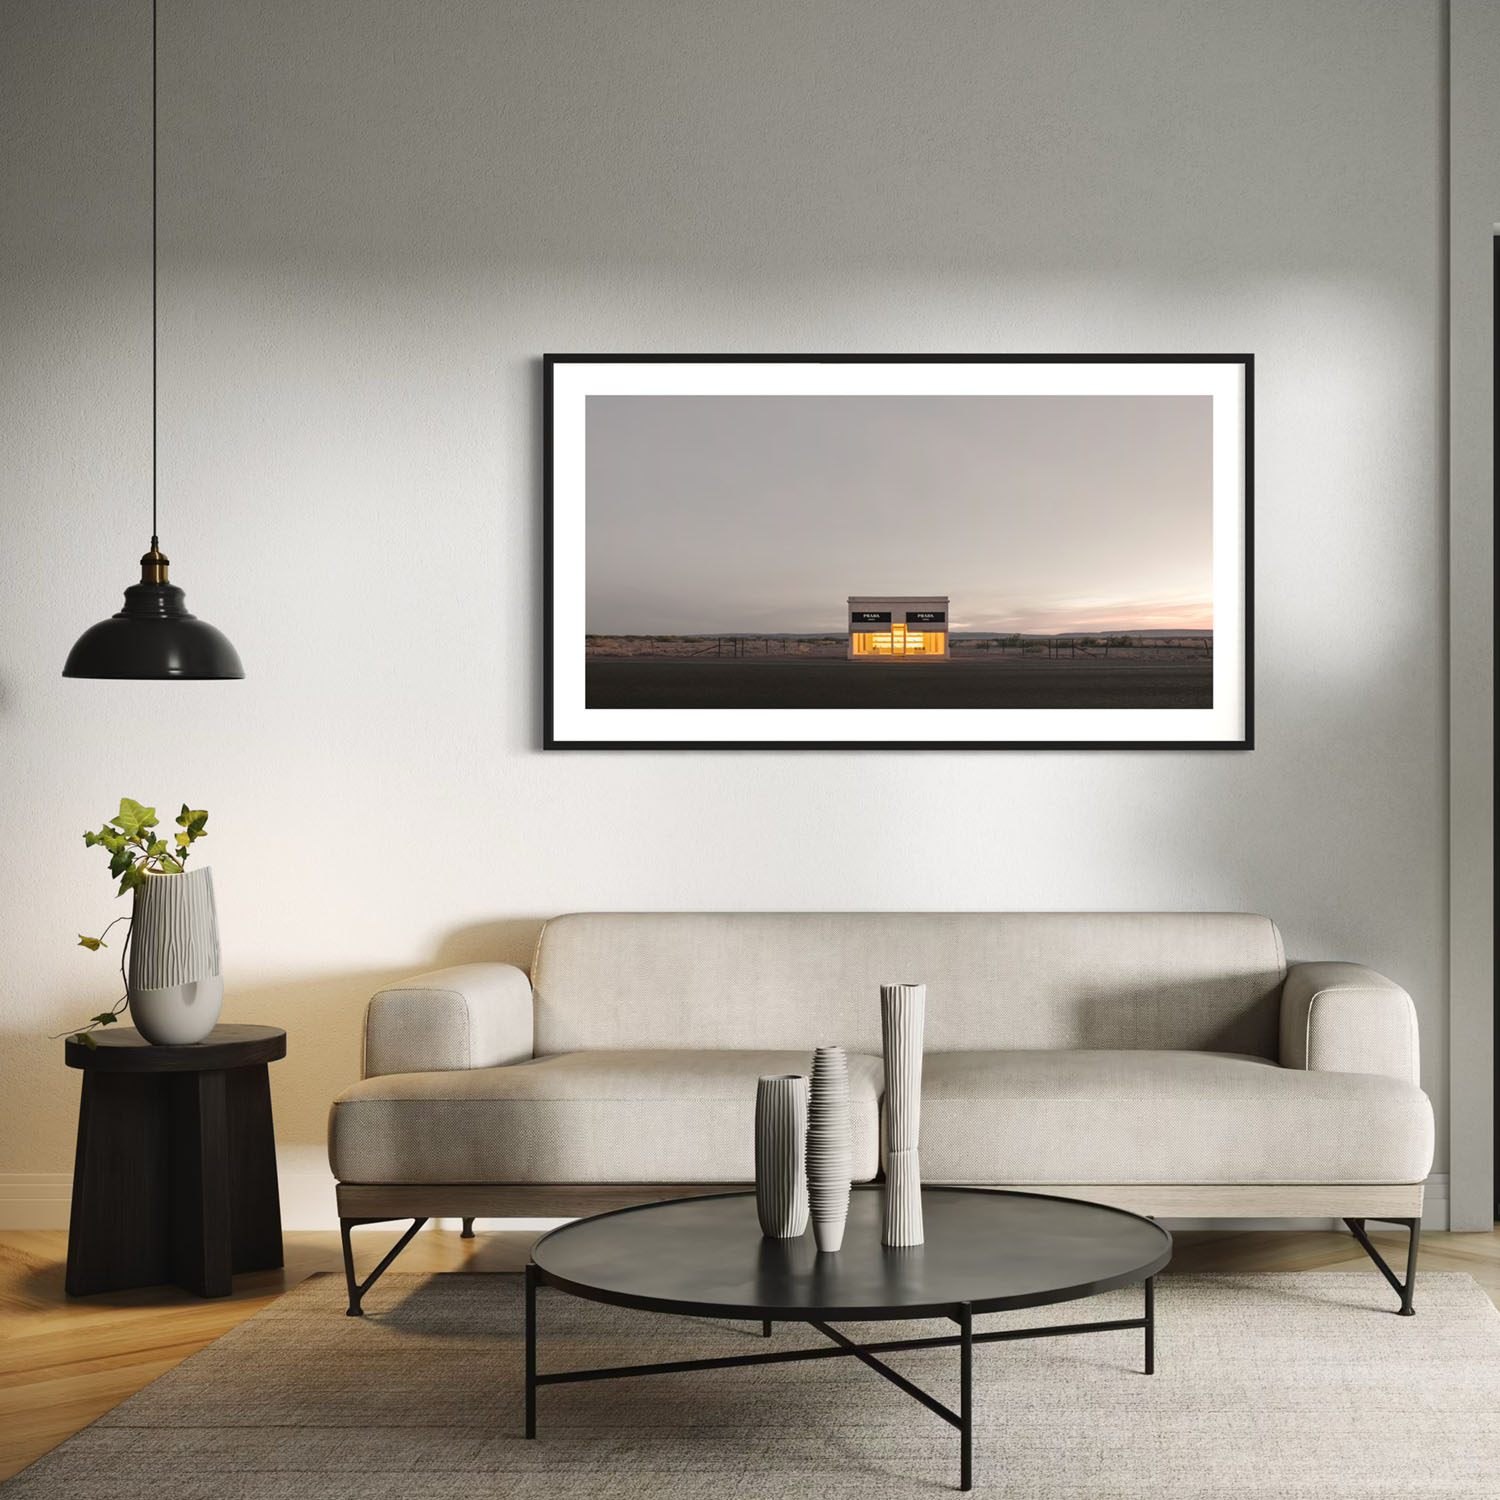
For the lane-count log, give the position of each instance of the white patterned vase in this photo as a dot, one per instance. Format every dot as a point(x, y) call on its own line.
point(174, 983)
point(829, 1150)
point(780, 1139)
point(903, 1010)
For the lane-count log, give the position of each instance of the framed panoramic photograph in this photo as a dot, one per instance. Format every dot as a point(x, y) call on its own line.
point(898, 551)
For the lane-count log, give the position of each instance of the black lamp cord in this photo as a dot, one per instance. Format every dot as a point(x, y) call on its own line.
point(153, 275)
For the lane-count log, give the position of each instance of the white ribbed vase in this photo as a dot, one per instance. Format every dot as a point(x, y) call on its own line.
point(780, 1137)
point(903, 1009)
point(829, 1149)
point(173, 978)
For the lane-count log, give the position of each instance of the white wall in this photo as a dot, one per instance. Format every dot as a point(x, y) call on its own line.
point(1473, 208)
point(376, 216)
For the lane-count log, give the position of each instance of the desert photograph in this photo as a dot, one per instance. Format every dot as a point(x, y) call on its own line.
point(899, 551)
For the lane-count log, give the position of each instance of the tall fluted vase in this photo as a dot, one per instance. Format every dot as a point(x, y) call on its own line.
point(829, 1150)
point(173, 977)
point(780, 1142)
point(902, 1017)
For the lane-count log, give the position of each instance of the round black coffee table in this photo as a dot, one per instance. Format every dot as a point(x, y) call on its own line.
point(985, 1251)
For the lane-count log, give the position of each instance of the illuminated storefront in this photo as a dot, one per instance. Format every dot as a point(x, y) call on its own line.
point(889, 629)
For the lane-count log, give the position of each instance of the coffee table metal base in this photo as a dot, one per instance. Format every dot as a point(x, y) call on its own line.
point(842, 1347)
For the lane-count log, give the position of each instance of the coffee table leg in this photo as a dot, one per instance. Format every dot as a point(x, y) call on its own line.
point(530, 1350)
point(966, 1397)
point(765, 1328)
point(1150, 1325)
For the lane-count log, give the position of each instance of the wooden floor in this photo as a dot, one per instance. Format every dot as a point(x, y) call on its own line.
point(63, 1362)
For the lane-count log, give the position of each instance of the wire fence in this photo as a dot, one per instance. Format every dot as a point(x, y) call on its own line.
point(715, 645)
point(1138, 646)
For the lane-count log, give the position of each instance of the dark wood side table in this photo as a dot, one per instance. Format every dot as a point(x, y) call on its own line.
point(175, 1176)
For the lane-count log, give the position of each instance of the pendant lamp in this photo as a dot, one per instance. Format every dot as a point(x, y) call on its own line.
point(153, 636)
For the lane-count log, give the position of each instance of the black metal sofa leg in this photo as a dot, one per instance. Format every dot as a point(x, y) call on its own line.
point(357, 1289)
point(467, 1232)
point(1403, 1289)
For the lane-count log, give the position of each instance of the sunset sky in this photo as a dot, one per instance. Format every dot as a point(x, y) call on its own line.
point(748, 514)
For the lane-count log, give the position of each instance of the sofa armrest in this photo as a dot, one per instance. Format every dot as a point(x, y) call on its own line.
point(1345, 1018)
point(471, 1016)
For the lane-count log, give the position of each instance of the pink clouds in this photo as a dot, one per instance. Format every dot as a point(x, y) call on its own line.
point(1067, 615)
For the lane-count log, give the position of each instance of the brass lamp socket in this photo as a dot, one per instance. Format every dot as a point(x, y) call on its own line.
point(154, 565)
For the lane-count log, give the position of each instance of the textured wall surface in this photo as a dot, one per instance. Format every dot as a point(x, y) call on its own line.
point(374, 218)
point(1473, 208)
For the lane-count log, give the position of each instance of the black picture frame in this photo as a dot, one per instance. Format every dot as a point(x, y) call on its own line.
point(551, 363)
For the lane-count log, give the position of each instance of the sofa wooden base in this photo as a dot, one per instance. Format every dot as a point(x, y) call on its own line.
point(1393, 1201)
point(374, 1203)
point(378, 1203)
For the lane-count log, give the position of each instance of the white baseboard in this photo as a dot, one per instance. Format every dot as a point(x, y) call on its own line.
point(307, 1188)
point(40, 1200)
point(35, 1200)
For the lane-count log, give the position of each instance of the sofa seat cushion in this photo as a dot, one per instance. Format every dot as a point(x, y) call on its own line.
point(1165, 1117)
point(579, 1117)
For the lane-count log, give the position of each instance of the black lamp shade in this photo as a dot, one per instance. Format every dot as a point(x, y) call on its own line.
point(154, 636)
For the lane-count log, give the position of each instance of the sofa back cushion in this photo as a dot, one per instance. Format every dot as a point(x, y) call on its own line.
point(1200, 980)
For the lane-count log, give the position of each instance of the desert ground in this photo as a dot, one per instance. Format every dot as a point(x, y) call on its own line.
point(806, 681)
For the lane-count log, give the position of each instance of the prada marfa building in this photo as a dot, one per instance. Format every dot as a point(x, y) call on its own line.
point(892, 628)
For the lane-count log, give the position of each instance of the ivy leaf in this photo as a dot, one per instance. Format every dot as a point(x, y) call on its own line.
point(156, 846)
point(93, 944)
point(183, 839)
point(135, 875)
point(132, 818)
point(111, 840)
point(193, 819)
point(104, 1018)
point(85, 1038)
point(119, 861)
point(170, 865)
point(90, 839)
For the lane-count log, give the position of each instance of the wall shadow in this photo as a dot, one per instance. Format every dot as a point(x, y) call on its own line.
point(323, 1015)
point(510, 940)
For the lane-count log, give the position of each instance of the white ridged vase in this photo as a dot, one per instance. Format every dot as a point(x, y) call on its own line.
point(829, 1149)
point(173, 981)
point(903, 1009)
point(780, 1138)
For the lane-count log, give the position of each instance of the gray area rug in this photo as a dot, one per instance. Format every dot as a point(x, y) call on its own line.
point(1273, 1385)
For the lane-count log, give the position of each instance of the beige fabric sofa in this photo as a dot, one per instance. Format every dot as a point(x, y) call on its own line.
point(1168, 1062)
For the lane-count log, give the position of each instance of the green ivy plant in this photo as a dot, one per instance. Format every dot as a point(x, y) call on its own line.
point(136, 851)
